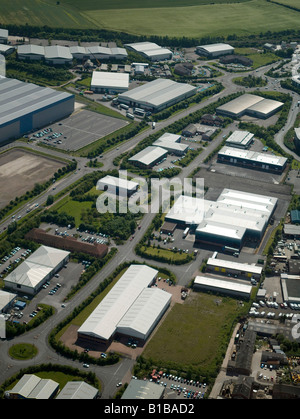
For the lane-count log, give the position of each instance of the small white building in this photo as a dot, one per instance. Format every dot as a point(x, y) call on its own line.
point(214, 50)
point(172, 143)
point(117, 186)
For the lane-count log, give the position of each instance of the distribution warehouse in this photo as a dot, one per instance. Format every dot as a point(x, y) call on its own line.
point(131, 308)
point(25, 107)
point(31, 275)
point(229, 221)
point(157, 95)
point(108, 82)
point(151, 51)
point(214, 50)
point(252, 159)
point(251, 105)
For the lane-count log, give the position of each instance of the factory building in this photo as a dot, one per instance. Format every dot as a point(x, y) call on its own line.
point(131, 308)
point(31, 275)
point(31, 386)
point(214, 50)
point(151, 51)
point(252, 160)
point(3, 36)
point(157, 95)
point(251, 105)
point(117, 186)
point(234, 217)
point(290, 288)
point(25, 107)
point(143, 389)
point(226, 267)
point(6, 49)
point(31, 52)
point(7, 299)
point(109, 82)
point(223, 287)
point(58, 55)
point(148, 157)
point(240, 139)
point(171, 142)
point(78, 390)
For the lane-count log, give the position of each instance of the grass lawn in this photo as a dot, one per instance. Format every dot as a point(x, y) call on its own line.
point(23, 351)
point(169, 254)
point(259, 59)
point(191, 18)
point(194, 333)
point(73, 208)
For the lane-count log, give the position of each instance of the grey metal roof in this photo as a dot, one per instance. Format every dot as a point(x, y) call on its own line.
point(158, 92)
point(58, 52)
point(77, 390)
point(31, 50)
point(18, 99)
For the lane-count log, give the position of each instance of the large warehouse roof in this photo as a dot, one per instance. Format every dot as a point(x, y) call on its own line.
point(77, 390)
point(103, 321)
point(251, 105)
point(48, 256)
point(28, 274)
point(18, 99)
point(149, 155)
point(158, 93)
point(58, 52)
point(108, 80)
point(215, 49)
point(150, 50)
point(144, 313)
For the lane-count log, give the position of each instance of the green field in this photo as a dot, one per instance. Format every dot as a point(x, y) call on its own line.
point(192, 18)
point(194, 333)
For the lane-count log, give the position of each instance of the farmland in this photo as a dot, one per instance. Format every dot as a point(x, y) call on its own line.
point(170, 18)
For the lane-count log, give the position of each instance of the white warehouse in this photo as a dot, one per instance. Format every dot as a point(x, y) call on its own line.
point(108, 82)
point(118, 186)
point(31, 275)
point(131, 308)
point(157, 94)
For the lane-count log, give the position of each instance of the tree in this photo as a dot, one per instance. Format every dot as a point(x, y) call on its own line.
point(50, 200)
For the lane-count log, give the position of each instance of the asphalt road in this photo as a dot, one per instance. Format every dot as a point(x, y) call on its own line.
point(111, 375)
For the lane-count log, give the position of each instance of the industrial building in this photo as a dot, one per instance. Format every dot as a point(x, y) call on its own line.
point(58, 55)
point(157, 95)
point(214, 50)
point(240, 139)
point(117, 186)
point(69, 243)
point(131, 308)
point(148, 157)
point(290, 286)
point(31, 52)
point(31, 386)
point(3, 36)
point(108, 82)
point(143, 390)
point(151, 51)
point(220, 286)
point(39, 267)
point(78, 390)
point(25, 107)
point(6, 49)
point(234, 217)
point(172, 143)
point(6, 300)
point(252, 160)
point(252, 105)
point(226, 267)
